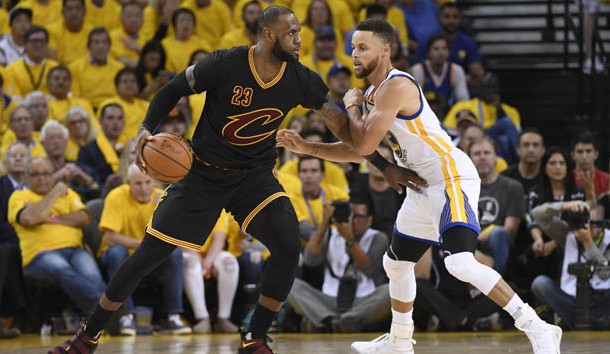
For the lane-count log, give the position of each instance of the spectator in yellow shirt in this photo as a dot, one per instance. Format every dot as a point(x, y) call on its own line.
point(37, 104)
point(44, 11)
point(214, 19)
point(103, 13)
point(180, 46)
point(6, 107)
point(151, 69)
point(48, 219)
point(318, 15)
point(244, 35)
point(81, 131)
point(342, 15)
point(29, 73)
point(22, 126)
point(59, 81)
point(68, 35)
point(127, 42)
point(93, 75)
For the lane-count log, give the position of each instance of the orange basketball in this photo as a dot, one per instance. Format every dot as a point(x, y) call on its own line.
point(168, 157)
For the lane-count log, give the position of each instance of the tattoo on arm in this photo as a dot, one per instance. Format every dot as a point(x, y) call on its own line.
point(337, 121)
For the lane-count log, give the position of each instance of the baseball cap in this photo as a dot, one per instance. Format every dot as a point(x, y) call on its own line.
point(338, 68)
point(325, 32)
point(16, 11)
point(465, 115)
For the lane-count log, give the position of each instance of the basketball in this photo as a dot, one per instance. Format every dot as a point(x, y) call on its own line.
point(167, 157)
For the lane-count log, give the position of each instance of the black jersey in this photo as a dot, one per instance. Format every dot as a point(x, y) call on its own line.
point(241, 113)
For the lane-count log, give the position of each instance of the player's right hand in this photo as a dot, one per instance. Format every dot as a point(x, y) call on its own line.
point(397, 177)
point(143, 136)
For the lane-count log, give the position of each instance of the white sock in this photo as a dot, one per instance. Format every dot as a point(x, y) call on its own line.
point(402, 317)
point(193, 284)
point(228, 277)
point(514, 306)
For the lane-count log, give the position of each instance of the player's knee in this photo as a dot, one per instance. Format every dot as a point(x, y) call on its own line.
point(460, 264)
point(397, 269)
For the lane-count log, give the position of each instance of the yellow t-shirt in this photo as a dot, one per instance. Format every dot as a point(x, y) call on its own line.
point(6, 107)
point(234, 237)
point(234, 38)
point(397, 19)
point(333, 174)
point(70, 46)
point(4, 26)
point(119, 49)
point(179, 53)
point(45, 236)
point(36, 148)
point(308, 45)
point(322, 67)
point(133, 113)
point(124, 215)
point(290, 182)
point(212, 22)
point(72, 149)
point(107, 16)
point(196, 103)
point(59, 108)
point(484, 111)
point(222, 225)
point(342, 15)
point(21, 78)
point(42, 14)
point(85, 74)
point(300, 206)
point(152, 19)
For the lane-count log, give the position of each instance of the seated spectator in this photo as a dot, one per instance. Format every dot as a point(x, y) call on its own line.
point(501, 205)
point(98, 66)
point(531, 148)
point(127, 42)
point(212, 261)
point(500, 121)
point(443, 82)
point(584, 152)
point(7, 105)
point(463, 49)
point(12, 288)
point(80, 131)
point(343, 19)
point(12, 44)
point(68, 34)
point(180, 46)
point(101, 156)
point(150, 70)
point(444, 303)
point(48, 218)
point(339, 77)
point(245, 34)
point(354, 291)
point(215, 16)
point(29, 73)
point(22, 129)
point(175, 123)
point(37, 104)
point(60, 101)
point(134, 108)
point(588, 244)
point(318, 15)
point(54, 139)
point(127, 210)
point(395, 17)
point(470, 132)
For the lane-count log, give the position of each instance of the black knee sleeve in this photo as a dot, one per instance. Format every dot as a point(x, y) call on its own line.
point(151, 253)
point(406, 249)
point(276, 226)
point(460, 239)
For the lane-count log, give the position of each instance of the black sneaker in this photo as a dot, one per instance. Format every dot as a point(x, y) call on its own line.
point(249, 345)
point(80, 343)
point(173, 325)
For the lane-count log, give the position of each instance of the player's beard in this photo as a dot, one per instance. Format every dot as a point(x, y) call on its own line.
point(368, 69)
point(281, 54)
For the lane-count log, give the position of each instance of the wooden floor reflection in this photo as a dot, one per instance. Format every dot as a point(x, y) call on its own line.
point(443, 343)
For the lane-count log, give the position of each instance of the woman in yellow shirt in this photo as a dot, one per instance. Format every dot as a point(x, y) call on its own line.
point(180, 46)
point(318, 14)
point(150, 70)
point(80, 131)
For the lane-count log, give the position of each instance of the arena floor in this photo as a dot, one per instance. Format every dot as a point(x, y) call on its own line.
point(445, 343)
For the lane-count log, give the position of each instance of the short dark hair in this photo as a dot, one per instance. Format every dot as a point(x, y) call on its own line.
point(96, 31)
point(485, 138)
point(36, 29)
point(434, 38)
point(124, 71)
point(270, 16)
point(59, 68)
point(309, 157)
point(531, 130)
point(360, 198)
point(376, 9)
point(128, 5)
point(182, 10)
point(109, 105)
point(381, 28)
point(63, 3)
point(585, 137)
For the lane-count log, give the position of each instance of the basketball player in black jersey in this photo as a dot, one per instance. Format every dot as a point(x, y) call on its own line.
point(249, 91)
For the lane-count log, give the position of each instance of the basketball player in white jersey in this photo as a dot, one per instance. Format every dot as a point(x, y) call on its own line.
point(443, 214)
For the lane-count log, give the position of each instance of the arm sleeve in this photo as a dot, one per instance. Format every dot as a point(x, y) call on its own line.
point(314, 90)
point(460, 89)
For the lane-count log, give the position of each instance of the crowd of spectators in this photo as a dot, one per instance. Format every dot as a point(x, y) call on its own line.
point(75, 80)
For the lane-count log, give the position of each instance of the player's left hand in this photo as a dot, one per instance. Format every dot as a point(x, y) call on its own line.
point(143, 136)
point(353, 97)
point(398, 176)
point(292, 140)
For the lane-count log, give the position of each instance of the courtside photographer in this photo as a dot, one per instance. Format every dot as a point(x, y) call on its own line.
point(582, 297)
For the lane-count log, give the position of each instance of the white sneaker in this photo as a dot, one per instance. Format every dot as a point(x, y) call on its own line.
point(545, 338)
point(128, 325)
point(398, 341)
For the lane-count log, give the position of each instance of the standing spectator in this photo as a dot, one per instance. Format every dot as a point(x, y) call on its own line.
point(531, 148)
point(48, 220)
point(180, 46)
point(81, 131)
point(59, 81)
point(443, 81)
point(318, 15)
point(584, 153)
point(68, 35)
point(214, 20)
point(463, 49)
point(97, 67)
point(212, 261)
point(29, 73)
point(127, 42)
point(12, 45)
point(103, 13)
point(23, 128)
point(245, 34)
point(501, 204)
point(127, 210)
point(150, 70)
point(43, 11)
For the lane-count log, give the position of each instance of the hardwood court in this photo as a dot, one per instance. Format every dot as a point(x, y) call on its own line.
point(427, 343)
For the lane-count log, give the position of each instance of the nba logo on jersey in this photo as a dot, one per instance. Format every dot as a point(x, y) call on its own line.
point(400, 153)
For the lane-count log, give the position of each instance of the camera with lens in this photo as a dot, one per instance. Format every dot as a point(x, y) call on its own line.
point(575, 220)
point(342, 210)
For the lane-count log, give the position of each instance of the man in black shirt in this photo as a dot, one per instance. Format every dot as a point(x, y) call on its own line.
point(530, 150)
point(248, 92)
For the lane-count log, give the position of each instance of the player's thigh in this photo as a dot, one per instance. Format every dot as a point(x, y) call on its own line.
point(416, 219)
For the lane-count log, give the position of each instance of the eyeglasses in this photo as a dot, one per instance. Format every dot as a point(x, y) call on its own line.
point(40, 174)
